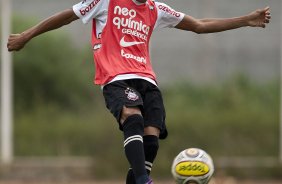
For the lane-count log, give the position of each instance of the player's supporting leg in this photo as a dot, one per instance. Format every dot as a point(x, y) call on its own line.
point(151, 146)
point(133, 129)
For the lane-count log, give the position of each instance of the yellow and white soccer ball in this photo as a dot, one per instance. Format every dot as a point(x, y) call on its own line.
point(192, 166)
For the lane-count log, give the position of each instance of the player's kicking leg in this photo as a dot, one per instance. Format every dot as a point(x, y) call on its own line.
point(151, 146)
point(133, 129)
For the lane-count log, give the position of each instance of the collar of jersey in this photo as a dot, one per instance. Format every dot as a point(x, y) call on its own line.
point(138, 3)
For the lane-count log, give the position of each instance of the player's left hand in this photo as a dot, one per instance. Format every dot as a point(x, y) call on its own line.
point(259, 18)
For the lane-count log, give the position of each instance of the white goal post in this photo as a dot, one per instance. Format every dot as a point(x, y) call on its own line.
point(6, 87)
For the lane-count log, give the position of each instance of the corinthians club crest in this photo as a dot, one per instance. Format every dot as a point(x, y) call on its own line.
point(131, 94)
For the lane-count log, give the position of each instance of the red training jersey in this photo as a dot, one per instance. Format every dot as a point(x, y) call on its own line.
point(121, 33)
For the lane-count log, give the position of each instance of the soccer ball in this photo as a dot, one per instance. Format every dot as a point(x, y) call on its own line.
point(192, 166)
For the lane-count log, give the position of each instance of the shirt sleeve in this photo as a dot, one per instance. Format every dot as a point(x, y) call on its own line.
point(86, 10)
point(167, 17)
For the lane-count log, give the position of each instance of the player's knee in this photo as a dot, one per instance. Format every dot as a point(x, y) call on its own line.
point(150, 130)
point(129, 111)
point(133, 125)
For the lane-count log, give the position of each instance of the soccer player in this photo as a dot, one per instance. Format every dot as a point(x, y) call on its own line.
point(120, 41)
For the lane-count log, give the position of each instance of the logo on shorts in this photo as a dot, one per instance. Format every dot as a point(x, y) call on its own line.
point(131, 95)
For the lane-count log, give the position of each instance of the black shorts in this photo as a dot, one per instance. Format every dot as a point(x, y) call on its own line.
point(137, 93)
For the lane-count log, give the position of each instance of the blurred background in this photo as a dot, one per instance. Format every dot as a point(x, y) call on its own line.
point(221, 92)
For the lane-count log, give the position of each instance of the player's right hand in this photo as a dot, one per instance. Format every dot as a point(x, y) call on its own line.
point(16, 42)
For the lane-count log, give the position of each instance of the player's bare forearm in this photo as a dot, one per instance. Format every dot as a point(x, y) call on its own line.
point(218, 25)
point(17, 41)
point(258, 18)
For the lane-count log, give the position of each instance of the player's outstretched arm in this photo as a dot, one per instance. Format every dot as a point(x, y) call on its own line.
point(17, 41)
point(258, 18)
